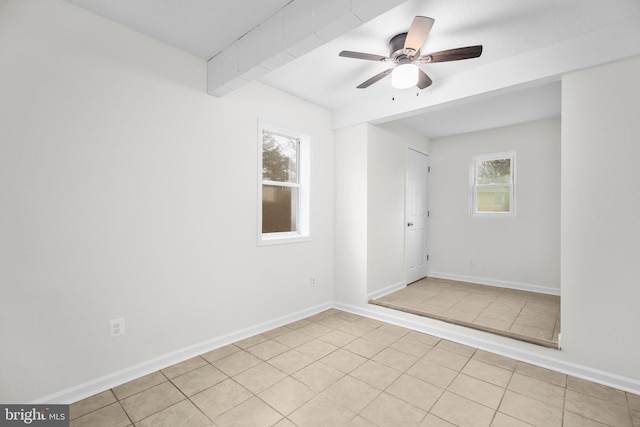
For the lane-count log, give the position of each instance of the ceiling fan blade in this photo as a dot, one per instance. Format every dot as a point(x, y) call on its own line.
point(418, 33)
point(374, 79)
point(452, 54)
point(423, 80)
point(360, 55)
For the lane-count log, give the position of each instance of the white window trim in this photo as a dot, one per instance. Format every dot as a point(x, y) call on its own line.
point(304, 184)
point(472, 184)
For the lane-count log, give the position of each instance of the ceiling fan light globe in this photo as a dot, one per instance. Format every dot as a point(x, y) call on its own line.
point(404, 76)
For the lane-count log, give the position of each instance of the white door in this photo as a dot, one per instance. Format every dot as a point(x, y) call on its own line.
point(415, 237)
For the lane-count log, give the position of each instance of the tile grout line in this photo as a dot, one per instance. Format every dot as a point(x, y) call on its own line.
point(381, 391)
point(446, 388)
point(403, 371)
point(126, 413)
point(183, 393)
point(564, 400)
point(506, 388)
point(287, 375)
point(497, 409)
point(633, 423)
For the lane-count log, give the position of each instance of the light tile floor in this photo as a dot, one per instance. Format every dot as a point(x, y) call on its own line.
point(526, 316)
point(340, 369)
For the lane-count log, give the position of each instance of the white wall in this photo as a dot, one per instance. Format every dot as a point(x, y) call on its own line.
point(386, 177)
point(600, 226)
point(350, 281)
point(370, 179)
point(127, 191)
point(519, 251)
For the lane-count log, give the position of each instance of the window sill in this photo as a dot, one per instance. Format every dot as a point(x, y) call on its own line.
point(493, 214)
point(282, 239)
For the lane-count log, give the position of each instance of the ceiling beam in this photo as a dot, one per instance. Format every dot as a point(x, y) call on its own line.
point(297, 28)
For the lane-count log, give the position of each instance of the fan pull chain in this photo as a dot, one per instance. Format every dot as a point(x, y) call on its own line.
point(393, 95)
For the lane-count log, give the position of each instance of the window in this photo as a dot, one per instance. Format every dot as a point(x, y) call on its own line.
point(284, 186)
point(492, 184)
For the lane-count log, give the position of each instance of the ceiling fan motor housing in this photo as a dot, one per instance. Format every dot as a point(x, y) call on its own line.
point(397, 51)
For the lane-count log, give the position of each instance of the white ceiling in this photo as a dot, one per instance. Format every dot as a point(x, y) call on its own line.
point(200, 27)
point(528, 45)
point(539, 102)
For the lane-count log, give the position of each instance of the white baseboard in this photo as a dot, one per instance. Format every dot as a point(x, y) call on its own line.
point(546, 358)
point(498, 345)
point(386, 291)
point(495, 282)
point(107, 382)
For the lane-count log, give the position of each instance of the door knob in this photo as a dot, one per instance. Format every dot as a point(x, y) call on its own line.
point(409, 224)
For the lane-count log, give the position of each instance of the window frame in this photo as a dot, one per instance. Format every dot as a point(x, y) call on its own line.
point(303, 217)
point(473, 185)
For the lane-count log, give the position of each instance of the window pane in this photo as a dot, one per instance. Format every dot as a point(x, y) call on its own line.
point(279, 206)
point(493, 199)
point(279, 158)
point(495, 171)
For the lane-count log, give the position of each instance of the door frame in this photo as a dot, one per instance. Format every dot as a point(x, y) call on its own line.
point(426, 224)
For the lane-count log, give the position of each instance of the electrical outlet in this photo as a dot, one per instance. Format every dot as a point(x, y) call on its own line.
point(312, 282)
point(116, 327)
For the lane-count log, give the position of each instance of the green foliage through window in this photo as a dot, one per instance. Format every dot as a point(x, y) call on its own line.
point(279, 157)
point(280, 183)
point(496, 171)
point(492, 184)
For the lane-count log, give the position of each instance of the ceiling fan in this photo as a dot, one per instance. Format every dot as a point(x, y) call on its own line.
point(405, 53)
